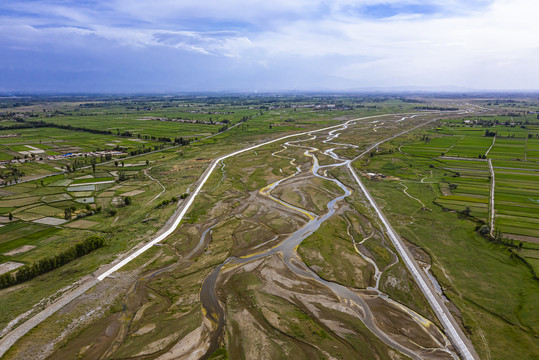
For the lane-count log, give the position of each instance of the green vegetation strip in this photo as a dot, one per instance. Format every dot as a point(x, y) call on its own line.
point(42, 266)
point(463, 198)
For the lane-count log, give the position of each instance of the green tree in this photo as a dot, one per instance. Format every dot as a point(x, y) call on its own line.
point(67, 214)
point(122, 176)
point(52, 262)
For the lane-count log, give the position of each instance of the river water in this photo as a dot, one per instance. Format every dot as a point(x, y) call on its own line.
point(287, 248)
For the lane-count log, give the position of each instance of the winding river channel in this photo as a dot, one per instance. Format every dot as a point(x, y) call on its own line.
point(287, 250)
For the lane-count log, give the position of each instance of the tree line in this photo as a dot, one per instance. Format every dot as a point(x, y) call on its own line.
point(25, 124)
point(30, 271)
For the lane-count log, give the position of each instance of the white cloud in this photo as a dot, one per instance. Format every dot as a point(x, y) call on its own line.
point(468, 43)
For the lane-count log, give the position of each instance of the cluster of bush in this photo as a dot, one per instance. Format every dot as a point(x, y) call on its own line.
point(68, 212)
point(88, 212)
point(165, 202)
point(173, 200)
point(30, 271)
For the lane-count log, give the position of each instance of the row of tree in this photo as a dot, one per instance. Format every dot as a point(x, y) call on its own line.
point(25, 124)
point(30, 271)
point(223, 128)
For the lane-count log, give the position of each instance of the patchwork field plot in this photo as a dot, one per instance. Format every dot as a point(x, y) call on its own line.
point(517, 200)
point(468, 187)
point(433, 147)
point(45, 216)
point(472, 145)
point(512, 150)
point(53, 141)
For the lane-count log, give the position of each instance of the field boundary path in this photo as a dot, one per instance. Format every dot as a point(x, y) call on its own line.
point(491, 198)
point(491, 145)
point(146, 172)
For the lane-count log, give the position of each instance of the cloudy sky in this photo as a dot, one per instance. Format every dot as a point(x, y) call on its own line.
point(265, 45)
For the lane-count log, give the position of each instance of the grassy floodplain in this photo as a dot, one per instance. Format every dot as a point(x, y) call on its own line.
point(39, 226)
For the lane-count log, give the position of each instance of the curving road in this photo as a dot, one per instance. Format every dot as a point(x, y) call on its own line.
point(455, 334)
point(170, 226)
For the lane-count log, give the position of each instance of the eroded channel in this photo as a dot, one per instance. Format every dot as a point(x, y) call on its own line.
point(431, 344)
point(284, 274)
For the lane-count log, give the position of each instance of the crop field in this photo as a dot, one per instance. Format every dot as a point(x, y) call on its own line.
point(462, 147)
point(39, 217)
point(472, 145)
point(532, 149)
point(145, 125)
point(33, 146)
point(517, 203)
point(466, 184)
point(54, 141)
point(510, 148)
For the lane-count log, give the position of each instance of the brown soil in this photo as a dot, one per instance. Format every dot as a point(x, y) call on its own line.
point(20, 250)
point(81, 224)
point(531, 239)
point(8, 266)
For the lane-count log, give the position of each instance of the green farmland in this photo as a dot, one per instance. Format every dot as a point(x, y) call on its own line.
point(462, 148)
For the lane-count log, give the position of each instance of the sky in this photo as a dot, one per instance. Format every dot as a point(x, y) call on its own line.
point(138, 46)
